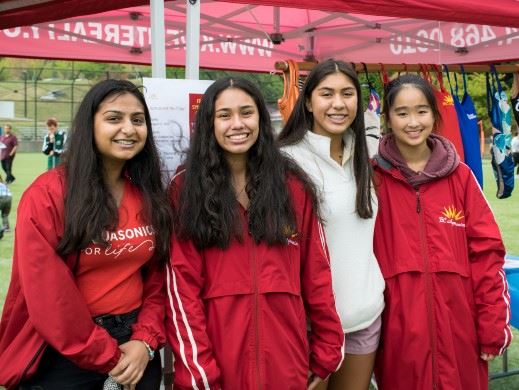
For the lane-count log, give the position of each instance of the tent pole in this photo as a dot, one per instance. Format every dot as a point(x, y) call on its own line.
point(158, 39)
point(306, 66)
point(192, 39)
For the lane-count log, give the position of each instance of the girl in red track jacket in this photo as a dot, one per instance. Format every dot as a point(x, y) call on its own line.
point(249, 263)
point(86, 296)
point(440, 251)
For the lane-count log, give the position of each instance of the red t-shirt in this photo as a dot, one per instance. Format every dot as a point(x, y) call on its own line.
point(109, 277)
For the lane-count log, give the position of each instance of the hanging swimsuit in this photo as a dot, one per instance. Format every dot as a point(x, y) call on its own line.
point(500, 115)
point(449, 127)
point(515, 98)
point(372, 118)
point(469, 128)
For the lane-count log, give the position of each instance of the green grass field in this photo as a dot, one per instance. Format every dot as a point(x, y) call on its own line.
point(27, 166)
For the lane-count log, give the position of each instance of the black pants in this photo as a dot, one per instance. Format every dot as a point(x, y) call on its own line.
point(57, 372)
point(7, 166)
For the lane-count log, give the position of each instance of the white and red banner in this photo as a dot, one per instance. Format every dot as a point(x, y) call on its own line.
point(173, 105)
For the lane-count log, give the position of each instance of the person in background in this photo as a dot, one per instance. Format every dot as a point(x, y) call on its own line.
point(53, 143)
point(249, 263)
point(86, 296)
point(325, 135)
point(8, 152)
point(440, 250)
point(6, 199)
point(515, 151)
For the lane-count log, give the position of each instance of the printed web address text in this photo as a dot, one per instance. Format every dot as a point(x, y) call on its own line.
point(137, 36)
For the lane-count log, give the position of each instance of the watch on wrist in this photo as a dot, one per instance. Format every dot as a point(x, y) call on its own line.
point(151, 352)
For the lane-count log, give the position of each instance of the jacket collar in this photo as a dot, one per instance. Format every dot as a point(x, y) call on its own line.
point(320, 145)
point(383, 166)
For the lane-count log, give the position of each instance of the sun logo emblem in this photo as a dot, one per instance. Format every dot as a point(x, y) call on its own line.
point(448, 100)
point(451, 213)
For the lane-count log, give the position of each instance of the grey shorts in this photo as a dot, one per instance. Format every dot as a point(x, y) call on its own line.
point(364, 341)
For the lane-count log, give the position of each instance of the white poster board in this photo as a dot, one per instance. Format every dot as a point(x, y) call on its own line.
point(6, 109)
point(173, 104)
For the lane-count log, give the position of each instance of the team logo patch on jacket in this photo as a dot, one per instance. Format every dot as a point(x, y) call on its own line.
point(452, 216)
point(292, 239)
point(448, 100)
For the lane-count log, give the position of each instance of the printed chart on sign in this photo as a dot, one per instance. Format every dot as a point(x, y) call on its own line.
point(173, 105)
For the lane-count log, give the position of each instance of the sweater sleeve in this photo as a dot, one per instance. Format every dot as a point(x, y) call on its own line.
point(150, 322)
point(55, 306)
point(47, 145)
point(186, 320)
point(486, 253)
point(327, 336)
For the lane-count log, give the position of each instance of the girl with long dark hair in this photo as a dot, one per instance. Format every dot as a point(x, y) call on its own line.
point(325, 135)
point(86, 297)
point(249, 263)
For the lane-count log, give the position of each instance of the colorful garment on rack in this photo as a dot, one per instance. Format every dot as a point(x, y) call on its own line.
point(449, 127)
point(469, 128)
point(500, 114)
point(372, 119)
point(290, 90)
point(514, 97)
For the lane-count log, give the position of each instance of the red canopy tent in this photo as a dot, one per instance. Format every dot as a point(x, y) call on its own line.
point(14, 13)
point(253, 35)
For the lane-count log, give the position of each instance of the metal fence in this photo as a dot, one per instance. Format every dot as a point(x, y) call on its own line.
point(42, 93)
point(39, 94)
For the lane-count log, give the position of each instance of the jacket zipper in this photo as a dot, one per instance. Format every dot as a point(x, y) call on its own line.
point(256, 313)
point(428, 290)
point(38, 352)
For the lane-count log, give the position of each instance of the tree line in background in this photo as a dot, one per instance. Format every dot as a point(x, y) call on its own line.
point(54, 72)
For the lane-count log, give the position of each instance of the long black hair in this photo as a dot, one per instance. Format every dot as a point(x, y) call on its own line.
point(302, 120)
point(208, 211)
point(90, 209)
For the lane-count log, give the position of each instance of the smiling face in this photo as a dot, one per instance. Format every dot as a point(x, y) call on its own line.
point(120, 129)
point(333, 104)
point(236, 122)
point(411, 118)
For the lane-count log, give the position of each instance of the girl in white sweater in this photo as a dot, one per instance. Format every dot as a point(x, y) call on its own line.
point(325, 135)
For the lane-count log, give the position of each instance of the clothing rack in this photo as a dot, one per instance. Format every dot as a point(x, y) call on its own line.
point(359, 67)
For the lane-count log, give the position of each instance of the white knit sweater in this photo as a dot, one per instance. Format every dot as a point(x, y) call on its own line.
point(357, 281)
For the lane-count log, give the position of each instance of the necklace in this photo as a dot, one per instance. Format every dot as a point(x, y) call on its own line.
point(241, 191)
point(242, 197)
point(338, 156)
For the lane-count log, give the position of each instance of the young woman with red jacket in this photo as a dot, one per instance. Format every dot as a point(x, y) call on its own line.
point(249, 262)
point(440, 251)
point(90, 237)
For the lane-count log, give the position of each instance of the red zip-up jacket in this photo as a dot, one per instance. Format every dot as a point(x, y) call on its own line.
point(44, 306)
point(237, 317)
point(441, 254)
